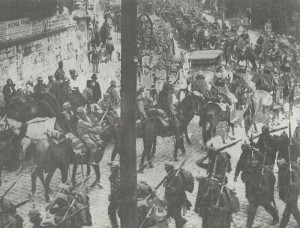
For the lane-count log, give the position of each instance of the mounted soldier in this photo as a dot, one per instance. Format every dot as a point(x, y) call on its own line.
point(165, 103)
point(275, 56)
point(200, 85)
point(266, 80)
point(140, 106)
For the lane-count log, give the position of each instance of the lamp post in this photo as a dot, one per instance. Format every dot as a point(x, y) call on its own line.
point(128, 208)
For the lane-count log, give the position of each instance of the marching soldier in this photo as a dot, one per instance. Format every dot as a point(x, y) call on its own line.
point(175, 195)
point(266, 144)
point(35, 218)
point(115, 194)
point(289, 186)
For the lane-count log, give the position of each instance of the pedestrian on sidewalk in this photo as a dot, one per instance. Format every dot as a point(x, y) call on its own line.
point(109, 46)
point(268, 26)
point(95, 60)
point(96, 89)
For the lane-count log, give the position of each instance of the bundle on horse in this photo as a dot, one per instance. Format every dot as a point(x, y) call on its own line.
point(151, 209)
point(23, 108)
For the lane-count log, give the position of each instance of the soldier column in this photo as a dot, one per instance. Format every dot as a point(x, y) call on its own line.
point(128, 207)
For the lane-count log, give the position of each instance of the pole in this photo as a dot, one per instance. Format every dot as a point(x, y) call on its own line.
point(223, 12)
point(128, 215)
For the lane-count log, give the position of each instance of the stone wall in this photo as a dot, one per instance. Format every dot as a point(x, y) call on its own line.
point(29, 59)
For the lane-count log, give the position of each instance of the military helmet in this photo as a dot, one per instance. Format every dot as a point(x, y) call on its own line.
point(265, 128)
point(245, 146)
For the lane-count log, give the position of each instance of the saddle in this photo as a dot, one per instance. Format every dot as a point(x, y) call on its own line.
point(161, 115)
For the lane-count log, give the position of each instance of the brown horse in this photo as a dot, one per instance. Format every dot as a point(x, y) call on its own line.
point(189, 107)
point(211, 115)
point(155, 126)
point(49, 156)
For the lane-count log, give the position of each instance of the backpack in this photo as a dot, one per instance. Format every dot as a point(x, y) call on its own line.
point(188, 180)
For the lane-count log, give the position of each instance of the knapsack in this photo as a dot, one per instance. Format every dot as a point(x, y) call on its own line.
point(188, 180)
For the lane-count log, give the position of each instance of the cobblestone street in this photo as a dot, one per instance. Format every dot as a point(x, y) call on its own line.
point(99, 196)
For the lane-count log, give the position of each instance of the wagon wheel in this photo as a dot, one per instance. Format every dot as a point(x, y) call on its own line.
point(145, 31)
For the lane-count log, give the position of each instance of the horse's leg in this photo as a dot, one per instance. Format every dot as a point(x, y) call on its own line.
point(40, 174)
point(33, 182)
point(185, 127)
point(74, 170)
point(98, 176)
point(154, 148)
point(47, 184)
point(88, 170)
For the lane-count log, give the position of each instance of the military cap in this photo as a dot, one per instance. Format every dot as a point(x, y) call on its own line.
point(265, 128)
point(50, 76)
point(62, 196)
point(33, 213)
point(169, 165)
point(105, 95)
point(210, 146)
point(40, 79)
point(113, 82)
point(80, 109)
point(66, 105)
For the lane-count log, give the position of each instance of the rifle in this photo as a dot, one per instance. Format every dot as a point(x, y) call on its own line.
point(8, 190)
point(73, 201)
point(271, 131)
point(177, 172)
point(143, 166)
point(222, 187)
point(75, 213)
point(227, 146)
point(251, 144)
point(263, 167)
point(13, 207)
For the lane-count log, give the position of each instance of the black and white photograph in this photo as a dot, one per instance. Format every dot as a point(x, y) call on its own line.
point(149, 113)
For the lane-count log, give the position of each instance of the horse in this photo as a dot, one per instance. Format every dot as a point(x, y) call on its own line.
point(9, 152)
point(247, 54)
point(211, 115)
point(24, 109)
point(259, 100)
point(241, 89)
point(157, 124)
point(49, 156)
point(189, 107)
